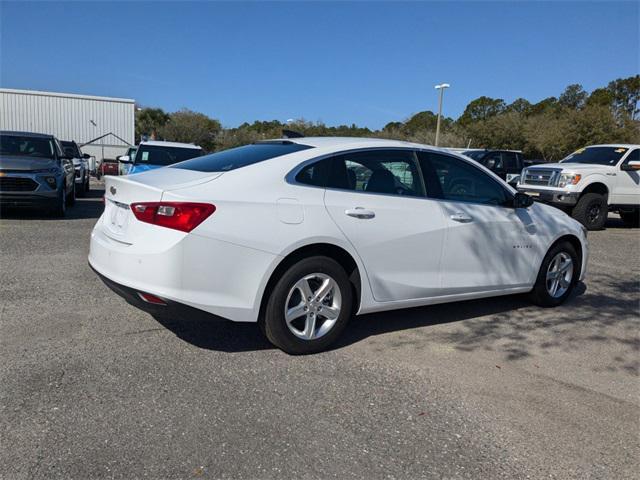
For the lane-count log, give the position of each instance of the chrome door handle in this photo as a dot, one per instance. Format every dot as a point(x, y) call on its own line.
point(461, 217)
point(360, 212)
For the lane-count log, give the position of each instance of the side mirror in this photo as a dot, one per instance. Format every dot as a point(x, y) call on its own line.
point(522, 200)
point(631, 166)
point(86, 156)
point(125, 159)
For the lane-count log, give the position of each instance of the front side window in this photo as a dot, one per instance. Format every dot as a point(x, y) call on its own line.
point(451, 178)
point(510, 160)
point(71, 149)
point(634, 156)
point(25, 146)
point(390, 172)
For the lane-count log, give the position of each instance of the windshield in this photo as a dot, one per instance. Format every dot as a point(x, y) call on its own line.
point(239, 157)
point(71, 149)
point(19, 146)
point(475, 154)
point(596, 155)
point(161, 155)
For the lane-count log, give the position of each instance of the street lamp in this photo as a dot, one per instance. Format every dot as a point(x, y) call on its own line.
point(440, 87)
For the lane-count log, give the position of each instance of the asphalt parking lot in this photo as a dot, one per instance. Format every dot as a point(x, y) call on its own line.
point(92, 388)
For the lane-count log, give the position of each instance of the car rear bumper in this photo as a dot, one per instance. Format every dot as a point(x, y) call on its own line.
point(203, 273)
point(169, 309)
point(552, 197)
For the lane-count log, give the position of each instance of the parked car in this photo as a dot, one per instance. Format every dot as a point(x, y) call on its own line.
point(107, 166)
point(589, 183)
point(155, 154)
point(507, 164)
point(35, 172)
point(125, 166)
point(80, 165)
point(299, 234)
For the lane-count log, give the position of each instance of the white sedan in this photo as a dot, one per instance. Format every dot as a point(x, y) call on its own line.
point(300, 234)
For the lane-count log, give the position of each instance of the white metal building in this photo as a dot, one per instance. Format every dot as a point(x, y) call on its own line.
point(82, 118)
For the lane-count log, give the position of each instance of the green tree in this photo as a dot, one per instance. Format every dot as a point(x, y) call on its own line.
point(481, 109)
point(573, 97)
point(149, 121)
point(519, 105)
point(601, 97)
point(626, 95)
point(191, 127)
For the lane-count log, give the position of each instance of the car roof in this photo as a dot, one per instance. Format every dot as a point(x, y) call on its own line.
point(25, 134)
point(352, 142)
point(615, 145)
point(160, 143)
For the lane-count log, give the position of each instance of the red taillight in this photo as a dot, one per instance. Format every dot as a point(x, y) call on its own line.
point(183, 216)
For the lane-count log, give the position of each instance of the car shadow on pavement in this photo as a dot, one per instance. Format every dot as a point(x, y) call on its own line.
point(89, 206)
point(224, 336)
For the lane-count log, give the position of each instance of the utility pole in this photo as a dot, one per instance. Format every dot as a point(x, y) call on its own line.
point(440, 87)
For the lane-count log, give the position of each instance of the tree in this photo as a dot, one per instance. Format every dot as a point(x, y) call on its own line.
point(601, 97)
point(149, 121)
point(519, 105)
point(543, 106)
point(573, 97)
point(481, 108)
point(626, 95)
point(191, 127)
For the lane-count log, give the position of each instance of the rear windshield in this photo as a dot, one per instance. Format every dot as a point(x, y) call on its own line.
point(475, 154)
point(240, 157)
point(597, 155)
point(26, 146)
point(160, 155)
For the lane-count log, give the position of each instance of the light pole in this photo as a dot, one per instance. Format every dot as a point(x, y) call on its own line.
point(440, 87)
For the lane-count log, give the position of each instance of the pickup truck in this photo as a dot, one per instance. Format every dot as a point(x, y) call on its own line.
point(589, 183)
point(507, 164)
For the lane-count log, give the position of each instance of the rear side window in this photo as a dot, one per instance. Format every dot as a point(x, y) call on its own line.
point(240, 157)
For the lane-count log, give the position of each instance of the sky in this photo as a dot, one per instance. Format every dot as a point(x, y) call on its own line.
point(367, 63)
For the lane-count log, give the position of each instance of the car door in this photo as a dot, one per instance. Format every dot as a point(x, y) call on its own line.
point(628, 181)
point(489, 245)
point(377, 199)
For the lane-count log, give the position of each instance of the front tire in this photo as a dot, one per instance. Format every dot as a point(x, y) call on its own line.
point(309, 306)
point(557, 277)
point(71, 199)
point(60, 209)
point(591, 211)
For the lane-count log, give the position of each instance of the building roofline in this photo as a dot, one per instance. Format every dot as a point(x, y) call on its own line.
point(65, 95)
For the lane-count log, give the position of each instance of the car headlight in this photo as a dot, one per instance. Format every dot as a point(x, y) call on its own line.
point(568, 179)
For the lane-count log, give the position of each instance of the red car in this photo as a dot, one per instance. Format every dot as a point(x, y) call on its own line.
point(108, 167)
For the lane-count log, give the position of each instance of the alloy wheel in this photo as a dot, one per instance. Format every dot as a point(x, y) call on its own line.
point(593, 213)
point(313, 306)
point(559, 274)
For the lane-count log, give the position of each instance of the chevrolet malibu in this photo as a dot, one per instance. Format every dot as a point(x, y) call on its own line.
point(300, 234)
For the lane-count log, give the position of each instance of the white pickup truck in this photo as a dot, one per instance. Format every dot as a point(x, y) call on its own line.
point(589, 183)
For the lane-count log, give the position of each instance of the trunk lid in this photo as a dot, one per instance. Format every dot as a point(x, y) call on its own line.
point(121, 191)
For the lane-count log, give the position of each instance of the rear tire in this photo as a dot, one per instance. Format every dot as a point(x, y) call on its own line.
point(311, 325)
point(557, 277)
point(631, 218)
point(591, 211)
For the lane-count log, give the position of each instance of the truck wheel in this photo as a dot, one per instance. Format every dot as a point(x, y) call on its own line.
point(631, 218)
point(591, 211)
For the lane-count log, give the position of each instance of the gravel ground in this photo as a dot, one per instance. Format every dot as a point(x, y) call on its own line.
point(92, 388)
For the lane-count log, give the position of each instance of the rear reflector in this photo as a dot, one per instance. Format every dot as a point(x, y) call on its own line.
point(183, 216)
point(147, 297)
